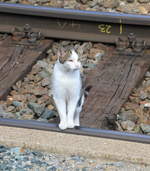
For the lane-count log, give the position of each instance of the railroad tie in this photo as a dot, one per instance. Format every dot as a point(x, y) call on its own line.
point(111, 83)
point(16, 61)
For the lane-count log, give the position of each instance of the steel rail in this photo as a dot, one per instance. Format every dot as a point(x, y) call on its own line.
point(74, 24)
point(75, 14)
point(31, 124)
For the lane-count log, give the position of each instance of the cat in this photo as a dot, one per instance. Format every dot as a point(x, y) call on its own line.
point(67, 90)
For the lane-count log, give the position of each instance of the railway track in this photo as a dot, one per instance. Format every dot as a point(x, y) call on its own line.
point(114, 28)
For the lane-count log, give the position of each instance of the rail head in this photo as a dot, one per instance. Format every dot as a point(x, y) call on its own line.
point(31, 124)
point(108, 17)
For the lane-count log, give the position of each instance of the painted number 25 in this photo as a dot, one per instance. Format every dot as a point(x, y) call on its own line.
point(105, 28)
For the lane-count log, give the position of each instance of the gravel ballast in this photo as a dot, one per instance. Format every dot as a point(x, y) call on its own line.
point(22, 159)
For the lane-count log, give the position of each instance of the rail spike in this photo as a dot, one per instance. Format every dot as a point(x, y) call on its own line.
point(25, 35)
point(130, 45)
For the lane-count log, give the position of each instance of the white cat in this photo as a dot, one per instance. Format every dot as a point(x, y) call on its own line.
point(67, 91)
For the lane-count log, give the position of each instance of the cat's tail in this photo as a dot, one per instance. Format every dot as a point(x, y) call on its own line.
point(80, 104)
point(81, 101)
point(78, 110)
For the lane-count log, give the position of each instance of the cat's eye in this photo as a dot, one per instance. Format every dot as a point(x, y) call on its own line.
point(70, 60)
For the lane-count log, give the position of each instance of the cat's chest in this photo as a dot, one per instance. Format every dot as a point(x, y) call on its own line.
point(67, 79)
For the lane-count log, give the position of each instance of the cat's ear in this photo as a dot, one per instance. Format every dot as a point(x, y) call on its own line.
point(61, 55)
point(74, 55)
point(58, 55)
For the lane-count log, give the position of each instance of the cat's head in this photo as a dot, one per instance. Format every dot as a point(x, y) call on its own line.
point(71, 62)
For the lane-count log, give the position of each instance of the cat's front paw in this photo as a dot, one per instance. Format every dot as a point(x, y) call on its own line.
point(77, 124)
point(62, 125)
point(70, 125)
